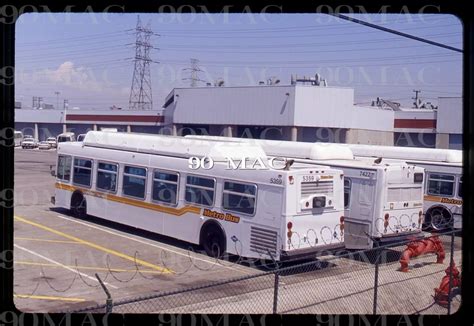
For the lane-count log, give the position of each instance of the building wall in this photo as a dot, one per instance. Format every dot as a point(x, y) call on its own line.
point(255, 105)
point(46, 130)
point(26, 128)
point(455, 141)
point(325, 135)
point(150, 129)
point(39, 116)
point(263, 132)
point(415, 139)
point(333, 108)
point(78, 129)
point(369, 137)
point(442, 141)
point(449, 119)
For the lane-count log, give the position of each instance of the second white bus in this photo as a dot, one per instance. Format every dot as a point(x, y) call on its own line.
point(443, 185)
point(383, 201)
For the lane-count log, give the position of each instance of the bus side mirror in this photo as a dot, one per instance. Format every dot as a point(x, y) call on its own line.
point(52, 171)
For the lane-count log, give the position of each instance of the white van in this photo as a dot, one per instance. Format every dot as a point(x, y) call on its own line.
point(65, 137)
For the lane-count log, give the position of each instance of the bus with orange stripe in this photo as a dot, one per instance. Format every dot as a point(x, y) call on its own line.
point(148, 182)
point(443, 185)
point(383, 200)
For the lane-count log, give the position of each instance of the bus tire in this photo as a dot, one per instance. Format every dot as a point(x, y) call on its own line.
point(213, 240)
point(438, 219)
point(78, 205)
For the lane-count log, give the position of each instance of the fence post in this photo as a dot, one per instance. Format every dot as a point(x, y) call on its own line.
point(275, 292)
point(376, 278)
point(451, 264)
point(108, 302)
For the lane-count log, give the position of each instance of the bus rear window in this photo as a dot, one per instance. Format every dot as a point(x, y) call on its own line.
point(418, 178)
point(404, 194)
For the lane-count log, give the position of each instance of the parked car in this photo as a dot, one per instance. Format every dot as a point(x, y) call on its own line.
point(44, 145)
point(52, 142)
point(29, 143)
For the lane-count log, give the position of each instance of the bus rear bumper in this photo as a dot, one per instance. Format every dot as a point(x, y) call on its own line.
point(400, 237)
point(311, 252)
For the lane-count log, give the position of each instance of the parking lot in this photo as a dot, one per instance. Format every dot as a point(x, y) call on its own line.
point(57, 256)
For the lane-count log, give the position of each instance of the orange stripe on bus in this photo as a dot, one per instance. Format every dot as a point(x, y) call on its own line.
point(443, 200)
point(133, 202)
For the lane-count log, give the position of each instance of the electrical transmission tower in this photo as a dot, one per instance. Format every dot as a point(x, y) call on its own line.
point(194, 70)
point(140, 93)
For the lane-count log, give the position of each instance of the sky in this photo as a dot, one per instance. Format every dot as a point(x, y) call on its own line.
point(87, 58)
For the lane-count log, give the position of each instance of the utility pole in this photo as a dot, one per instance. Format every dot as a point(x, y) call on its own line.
point(140, 92)
point(57, 99)
point(194, 70)
point(65, 104)
point(416, 98)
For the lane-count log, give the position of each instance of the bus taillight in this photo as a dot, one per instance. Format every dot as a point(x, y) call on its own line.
point(289, 225)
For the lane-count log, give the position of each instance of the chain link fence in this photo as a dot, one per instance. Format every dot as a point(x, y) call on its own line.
point(396, 279)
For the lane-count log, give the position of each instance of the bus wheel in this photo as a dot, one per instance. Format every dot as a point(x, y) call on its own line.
point(78, 205)
point(213, 240)
point(439, 219)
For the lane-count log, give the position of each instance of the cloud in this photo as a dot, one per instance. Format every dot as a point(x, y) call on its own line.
point(67, 74)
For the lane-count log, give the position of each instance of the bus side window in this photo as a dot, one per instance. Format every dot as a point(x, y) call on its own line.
point(200, 190)
point(82, 172)
point(347, 192)
point(134, 180)
point(64, 168)
point(441, 184)
point(460, 187)
point(165, 187)
point(239, 197)
point(107, 176)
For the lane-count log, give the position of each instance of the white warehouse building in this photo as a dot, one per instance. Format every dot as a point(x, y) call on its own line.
point(302, 112)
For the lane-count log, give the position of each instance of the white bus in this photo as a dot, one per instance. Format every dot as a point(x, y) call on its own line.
point(383, 201)
point(443, 186)
point(145, 181)
point(18, 138)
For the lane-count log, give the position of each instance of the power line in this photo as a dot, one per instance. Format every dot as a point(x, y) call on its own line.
point(388, 30)
point(72, 38)
point(192, 34)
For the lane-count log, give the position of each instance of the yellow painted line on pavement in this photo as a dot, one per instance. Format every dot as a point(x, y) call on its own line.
point(46, 297)
point(45, 240)
point(118, 270)
point(96, 246)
